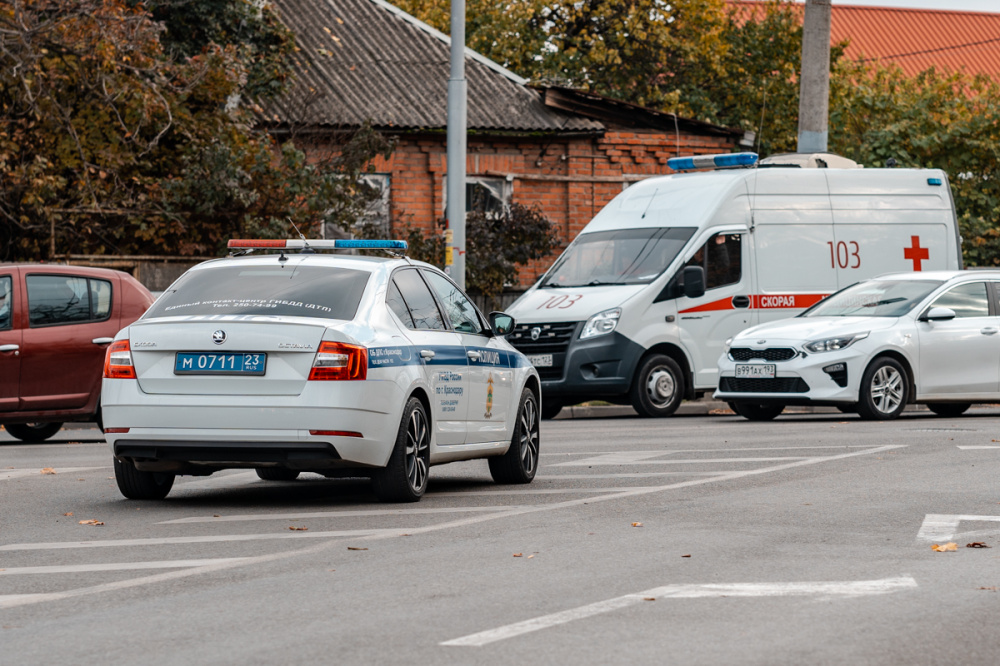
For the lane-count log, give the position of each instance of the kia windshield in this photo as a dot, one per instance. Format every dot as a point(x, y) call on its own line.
point(625, 256)
point(874, 298)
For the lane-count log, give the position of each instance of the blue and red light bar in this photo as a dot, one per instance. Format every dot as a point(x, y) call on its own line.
point(299, 244)
point(723, 161)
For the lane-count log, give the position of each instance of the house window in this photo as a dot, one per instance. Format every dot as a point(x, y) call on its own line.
point(483, 195)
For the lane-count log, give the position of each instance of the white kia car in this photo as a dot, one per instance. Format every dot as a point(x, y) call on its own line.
point(874, 347)
point(336, 364)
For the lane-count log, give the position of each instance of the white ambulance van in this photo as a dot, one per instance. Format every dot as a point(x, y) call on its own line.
point(638, 307)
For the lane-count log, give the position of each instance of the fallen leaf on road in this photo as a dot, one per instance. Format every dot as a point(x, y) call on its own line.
point(48, 470)
point(721, 411)
point(299, 529)
point(636, 524)
point(976, 544)
point(529, 557)
point(991, 589)
point(518, 555)
point(68, 513)
point(951, 546)
point(355, 548)
point(649, 598)
point(215, 515)
point(685, 556)
point(91, 522)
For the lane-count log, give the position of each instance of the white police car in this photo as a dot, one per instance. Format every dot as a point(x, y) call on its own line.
point(930, 337)
point(336, 364)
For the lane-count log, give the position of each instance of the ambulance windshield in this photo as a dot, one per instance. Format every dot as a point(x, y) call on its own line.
point(625, 256)
point(874, 298)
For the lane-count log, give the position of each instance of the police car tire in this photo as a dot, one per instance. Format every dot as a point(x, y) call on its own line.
point(949, 408)
point(880, 370)
point(404, 478)
point(520, 462)
point(138, 485)
point(639, 393)
point(758, 412)
point(277, 474)
point(33, 432)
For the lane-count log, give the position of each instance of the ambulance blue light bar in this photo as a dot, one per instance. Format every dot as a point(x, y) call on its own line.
point(299, 244)
point(724, 161)
point(934, 181)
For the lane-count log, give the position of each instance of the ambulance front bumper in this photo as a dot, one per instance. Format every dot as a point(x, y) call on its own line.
point(594, 368)
point(829, 378)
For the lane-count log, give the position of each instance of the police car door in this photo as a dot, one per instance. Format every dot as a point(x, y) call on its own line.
point(706, 322)
point(489, 373)
point(439, 350)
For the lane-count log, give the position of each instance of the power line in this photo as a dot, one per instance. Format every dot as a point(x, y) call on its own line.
point(937, 50)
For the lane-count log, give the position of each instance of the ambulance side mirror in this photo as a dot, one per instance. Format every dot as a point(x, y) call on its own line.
point(501, 323)
point(694, 281)
point(938, 314)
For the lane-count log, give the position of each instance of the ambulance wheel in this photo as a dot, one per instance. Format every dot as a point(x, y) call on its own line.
point(949, 408)
point(758, 412)
point(277, 473)
point(32, 432)
point(138, 485)
point(404, 478)
point(658, 387)
point(551, 409)
point(884, 390)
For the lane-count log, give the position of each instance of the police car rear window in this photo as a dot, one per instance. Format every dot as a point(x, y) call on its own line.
point(295, 291)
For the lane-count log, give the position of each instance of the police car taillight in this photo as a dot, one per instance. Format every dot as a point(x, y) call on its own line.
point(339, 361)
point(118, 361)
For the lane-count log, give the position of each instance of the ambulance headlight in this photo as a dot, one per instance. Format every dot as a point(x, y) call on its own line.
point(834, 344)
point(601, 323)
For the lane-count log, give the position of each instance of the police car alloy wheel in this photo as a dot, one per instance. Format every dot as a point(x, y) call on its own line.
point(520, 462)
point(404, 479)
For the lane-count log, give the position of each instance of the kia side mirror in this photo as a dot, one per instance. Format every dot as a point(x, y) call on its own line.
point(501, 323)
point(938, 314)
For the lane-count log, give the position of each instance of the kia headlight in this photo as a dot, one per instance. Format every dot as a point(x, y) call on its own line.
point(601, 323)
point(834, 344)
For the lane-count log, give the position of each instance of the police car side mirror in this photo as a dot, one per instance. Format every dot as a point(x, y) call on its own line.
point(501, 323)
point(938, 314)
point(694, 281)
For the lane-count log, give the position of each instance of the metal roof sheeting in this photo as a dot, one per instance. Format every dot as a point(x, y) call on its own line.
point(365, 60)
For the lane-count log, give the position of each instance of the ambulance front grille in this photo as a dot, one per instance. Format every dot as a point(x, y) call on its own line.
point(550, 338)
point(770, 354)
point(777, 385)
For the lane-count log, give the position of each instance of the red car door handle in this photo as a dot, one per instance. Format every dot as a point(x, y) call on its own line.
point(102, 341)
point(9, 348)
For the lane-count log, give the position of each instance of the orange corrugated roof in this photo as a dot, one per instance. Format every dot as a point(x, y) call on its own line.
point(917, 39)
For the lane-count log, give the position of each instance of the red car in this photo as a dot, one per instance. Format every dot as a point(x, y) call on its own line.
point(55, 325)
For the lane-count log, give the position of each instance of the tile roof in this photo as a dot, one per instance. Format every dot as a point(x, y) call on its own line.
point(364, 60)
point(915, 39)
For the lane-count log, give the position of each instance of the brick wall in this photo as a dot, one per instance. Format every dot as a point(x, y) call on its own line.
point(569, 178)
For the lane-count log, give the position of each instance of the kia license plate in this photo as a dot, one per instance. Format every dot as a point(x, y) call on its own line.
point(541, 360)
point(209, 363)
point(756, 371)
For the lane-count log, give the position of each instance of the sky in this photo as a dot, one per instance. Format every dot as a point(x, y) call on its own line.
point(960, 5)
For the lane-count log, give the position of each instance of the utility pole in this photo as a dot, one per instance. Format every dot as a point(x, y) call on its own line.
point(457, 102)
point(814, 88)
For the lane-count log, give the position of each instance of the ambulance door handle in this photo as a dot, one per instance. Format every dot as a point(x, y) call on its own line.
point(426, 354)
point(741, 301)
point(989, 330)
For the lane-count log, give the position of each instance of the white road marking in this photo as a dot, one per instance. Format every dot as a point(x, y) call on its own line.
point(744, 448)
point(610, 460)
point(166, 541)
point(977, 448)
point(337, 514)
point(22, 473)
point(623, 475)
point(116, 566)
point(22, 600)
point(529, 490)
point(944, 527)
point(823, 589)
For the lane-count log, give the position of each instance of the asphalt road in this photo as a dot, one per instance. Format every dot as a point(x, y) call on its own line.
point(701, 539)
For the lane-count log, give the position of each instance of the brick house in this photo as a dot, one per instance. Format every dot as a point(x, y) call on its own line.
point(566, 151)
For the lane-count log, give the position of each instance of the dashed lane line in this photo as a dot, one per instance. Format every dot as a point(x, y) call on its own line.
point(22, 600)
point(820, 589)
point(613, 460)
point(944, 527)
point(335, 514)
point(217, 538)
point(977, 448)
point(116, 566)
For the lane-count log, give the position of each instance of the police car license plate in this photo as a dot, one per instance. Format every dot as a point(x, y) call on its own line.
point(541, 360)
point(756, 371)
point(206, 363)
